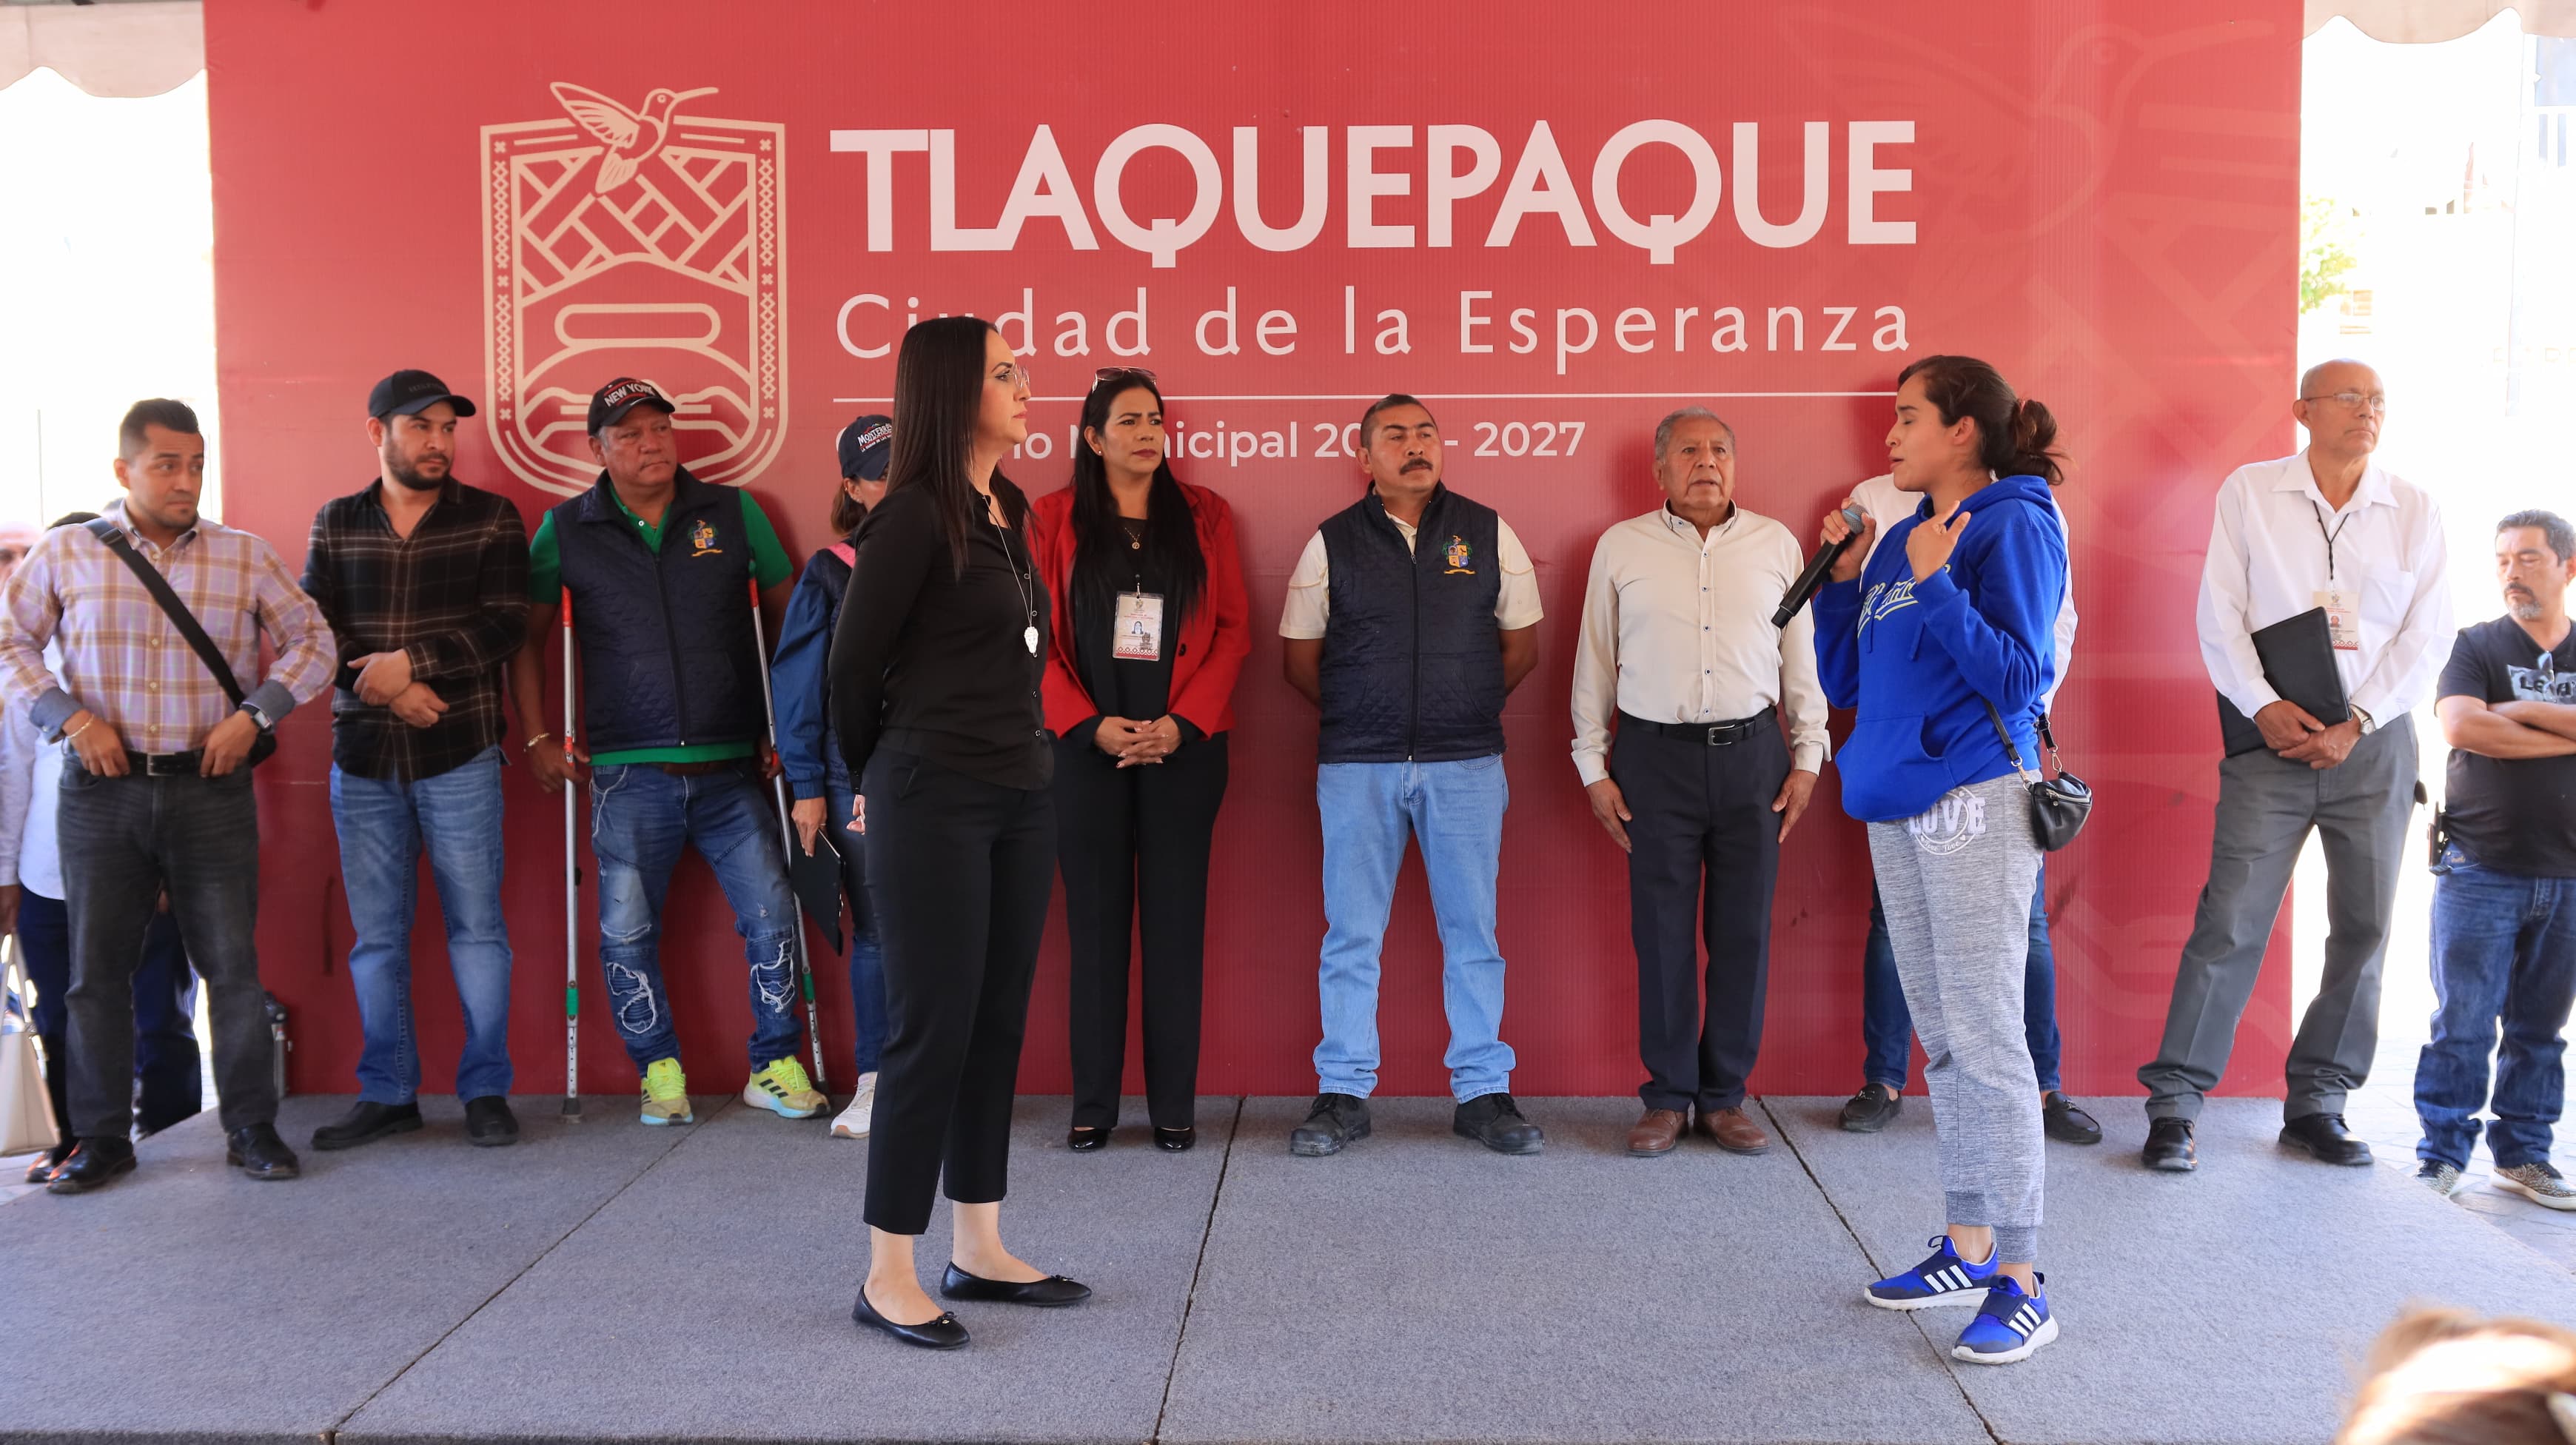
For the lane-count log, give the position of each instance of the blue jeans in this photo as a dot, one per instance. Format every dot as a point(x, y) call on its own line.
point(640, 817)
point(1887, 1030)
point(169, 1079)
point(2504, 952)
point(383, 823)
point(1455, 812)
point(867, 954)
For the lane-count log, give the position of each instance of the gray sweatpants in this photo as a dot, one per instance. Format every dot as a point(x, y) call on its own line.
point(1955, 884)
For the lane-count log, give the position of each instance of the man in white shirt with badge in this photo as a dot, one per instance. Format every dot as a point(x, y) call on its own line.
point(1698, 787)
point(2328, 528)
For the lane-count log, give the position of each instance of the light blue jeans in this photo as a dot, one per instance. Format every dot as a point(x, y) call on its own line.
point(383, 823)
point(1455, 812)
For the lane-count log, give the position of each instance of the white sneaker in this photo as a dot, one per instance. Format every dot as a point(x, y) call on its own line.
point(854, 1120)
point(2540, 1183)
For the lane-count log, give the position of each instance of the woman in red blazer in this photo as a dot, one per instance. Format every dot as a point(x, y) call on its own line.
point(1150, 633)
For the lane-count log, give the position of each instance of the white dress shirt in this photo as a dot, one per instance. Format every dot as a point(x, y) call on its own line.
point(1310, 600)
point(1887, 506)
point(2267, 561)
point(1677, 628)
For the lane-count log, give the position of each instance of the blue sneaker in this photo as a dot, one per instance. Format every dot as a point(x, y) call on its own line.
point(1944, 1279)
point(2011, 1327)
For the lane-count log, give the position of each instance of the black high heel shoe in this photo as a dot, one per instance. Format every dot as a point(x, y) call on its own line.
point(1083, 1140)
point(1175, 1140)
point(1051, 1291)
point(943, 1333)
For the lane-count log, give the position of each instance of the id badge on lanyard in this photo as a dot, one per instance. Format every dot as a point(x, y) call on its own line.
point(1138, 632)
point(2342, 604)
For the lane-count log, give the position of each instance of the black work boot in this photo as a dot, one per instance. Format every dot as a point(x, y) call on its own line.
point(365, 1123)
point(1494, 1121)
point(1336, 1120)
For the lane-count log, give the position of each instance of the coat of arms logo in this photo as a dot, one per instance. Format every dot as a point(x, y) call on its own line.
point(635, 242)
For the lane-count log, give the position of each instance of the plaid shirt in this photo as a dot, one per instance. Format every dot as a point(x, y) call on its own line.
point(453, 596)
point(121, 658)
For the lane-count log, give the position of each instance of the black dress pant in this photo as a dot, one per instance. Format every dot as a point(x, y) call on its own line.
point(1133, 845)
point(957, 875)
point(1704, 855)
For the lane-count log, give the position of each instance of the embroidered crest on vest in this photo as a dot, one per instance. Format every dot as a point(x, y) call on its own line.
point(1459, 555)
point(703, 537)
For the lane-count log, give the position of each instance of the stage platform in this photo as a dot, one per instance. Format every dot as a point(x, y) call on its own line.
point(607, 1281)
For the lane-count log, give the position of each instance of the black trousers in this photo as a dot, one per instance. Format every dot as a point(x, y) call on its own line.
point(1133, 845)
point(1704, 855)
point(957, 873)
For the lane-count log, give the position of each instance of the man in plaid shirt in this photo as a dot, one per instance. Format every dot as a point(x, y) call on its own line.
point(424, 581)
point(161, 796)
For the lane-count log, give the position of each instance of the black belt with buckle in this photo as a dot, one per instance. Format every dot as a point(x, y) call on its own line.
point(165, 765)
point(1715, 735)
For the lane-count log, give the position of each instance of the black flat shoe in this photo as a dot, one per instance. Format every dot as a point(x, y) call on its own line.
point(2325, 1136)
point(42, 1170)
point(1050, 1292)
point(1082, 1140)
point(2062, 1121)
point(2169, 1146)
point(91, 1165)
point(256, 1150)
point(365, 1123)
point(1872, 1109)
point(489, 1124)
point(1175, 1140)
point(943, 1333)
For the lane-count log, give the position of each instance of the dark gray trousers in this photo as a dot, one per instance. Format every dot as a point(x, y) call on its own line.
point(2266, 807)
point(124, 840)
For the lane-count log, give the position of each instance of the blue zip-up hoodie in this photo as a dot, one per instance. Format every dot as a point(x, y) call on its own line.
point(1922, 659)
point(809, 752)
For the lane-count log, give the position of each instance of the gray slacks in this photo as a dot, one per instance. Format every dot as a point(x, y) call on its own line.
point(2266, 807)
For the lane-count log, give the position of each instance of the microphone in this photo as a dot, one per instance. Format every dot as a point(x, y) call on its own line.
point(1814, 577)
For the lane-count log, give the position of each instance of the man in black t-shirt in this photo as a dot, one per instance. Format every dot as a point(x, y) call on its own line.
point(2504, 900)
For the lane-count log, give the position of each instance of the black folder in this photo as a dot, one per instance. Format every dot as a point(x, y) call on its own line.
point(816, 878)
point(2299, 662)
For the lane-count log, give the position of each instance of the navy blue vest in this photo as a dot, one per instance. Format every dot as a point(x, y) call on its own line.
point(665, 638)
point(1413, 661)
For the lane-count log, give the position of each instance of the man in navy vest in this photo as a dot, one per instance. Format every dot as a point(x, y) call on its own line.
point(1409, 617)
point(656, 563)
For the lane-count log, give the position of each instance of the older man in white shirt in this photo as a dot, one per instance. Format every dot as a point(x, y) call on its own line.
point(2328, 528)
point(1699, 787)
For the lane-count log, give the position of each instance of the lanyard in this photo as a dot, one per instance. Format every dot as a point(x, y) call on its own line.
point(2330, 536)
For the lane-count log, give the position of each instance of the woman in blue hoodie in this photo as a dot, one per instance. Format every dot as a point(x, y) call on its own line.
point(1944, 641)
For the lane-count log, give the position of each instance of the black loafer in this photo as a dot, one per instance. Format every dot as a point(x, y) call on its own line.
point(943, 1333)
point(2066, 1123)
point(489, 1124)
point(1175, 1140)
point(365, 1123)
point(91, 1165)
point(1083, 1139)
point(256, 1150)
point(42, 1170)
point(2169, 1146)
point(2325, 1136)
point(1872, 1109)
point(1336, 1120)
point(1049, 1293)
point(1494, 1121)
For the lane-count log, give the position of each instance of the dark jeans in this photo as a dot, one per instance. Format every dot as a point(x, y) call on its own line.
point(1133, 845)
point(169, 1086)
point(1886, 1028)
point(125, 840)
point(2504, 953)
point(867, 951)
point(958, 871)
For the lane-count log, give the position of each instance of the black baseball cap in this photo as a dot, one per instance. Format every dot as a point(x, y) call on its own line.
point(610, 404)
point(408, 393)
point(866, 445)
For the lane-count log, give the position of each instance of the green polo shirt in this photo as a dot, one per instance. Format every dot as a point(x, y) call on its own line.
point(770, 566)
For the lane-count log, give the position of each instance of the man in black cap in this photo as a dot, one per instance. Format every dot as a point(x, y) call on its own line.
point(656, 564)
point(424, 582)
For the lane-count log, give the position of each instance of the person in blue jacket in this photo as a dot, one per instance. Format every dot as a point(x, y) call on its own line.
point(810, 754)
point(1943, 639)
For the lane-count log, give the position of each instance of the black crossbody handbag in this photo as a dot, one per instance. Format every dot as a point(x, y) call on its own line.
point(180, 617)
point(2058, 805)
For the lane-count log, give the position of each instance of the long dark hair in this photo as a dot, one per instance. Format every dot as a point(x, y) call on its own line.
point(938, 394)
point(1171, 532)
point(2016, 436)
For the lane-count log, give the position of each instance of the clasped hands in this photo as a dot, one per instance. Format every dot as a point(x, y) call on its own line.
point(2293, 733)
point(385, 680)
point(1135, 744)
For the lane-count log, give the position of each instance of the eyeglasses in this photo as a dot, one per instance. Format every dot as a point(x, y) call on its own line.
point(1016, 375)
point(1122, 373)
point(2355, 401)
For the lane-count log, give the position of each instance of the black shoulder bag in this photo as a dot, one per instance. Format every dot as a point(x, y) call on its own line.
point(2059, 805)
point(180, 617)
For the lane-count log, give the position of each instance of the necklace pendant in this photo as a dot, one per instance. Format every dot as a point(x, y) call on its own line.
point(1029, 635)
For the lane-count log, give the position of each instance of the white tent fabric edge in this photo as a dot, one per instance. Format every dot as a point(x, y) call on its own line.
point(2419, 21)
point(117, 50)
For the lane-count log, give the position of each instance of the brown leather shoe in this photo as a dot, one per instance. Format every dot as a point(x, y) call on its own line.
point(1657, 1132)
point(1734, 1131)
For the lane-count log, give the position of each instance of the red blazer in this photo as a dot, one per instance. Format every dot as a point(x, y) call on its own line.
point(1212, 644)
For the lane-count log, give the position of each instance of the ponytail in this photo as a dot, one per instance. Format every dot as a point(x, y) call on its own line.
point(2016, 436)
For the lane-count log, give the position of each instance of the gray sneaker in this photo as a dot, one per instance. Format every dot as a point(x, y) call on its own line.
point(2540, 1183)
point(2442, 1179)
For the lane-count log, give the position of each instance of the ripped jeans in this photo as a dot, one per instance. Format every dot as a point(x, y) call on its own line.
point(639, 818)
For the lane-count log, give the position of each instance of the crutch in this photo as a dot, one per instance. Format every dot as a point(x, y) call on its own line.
point(572, 896)
point(786, 838)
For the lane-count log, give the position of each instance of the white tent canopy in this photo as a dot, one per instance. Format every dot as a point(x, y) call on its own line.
point(2414, 21)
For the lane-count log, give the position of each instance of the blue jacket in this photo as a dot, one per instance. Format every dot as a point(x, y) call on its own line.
point(1922, 659)
point(808, 752)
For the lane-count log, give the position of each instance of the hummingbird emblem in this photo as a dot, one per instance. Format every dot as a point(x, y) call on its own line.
point(632, 137)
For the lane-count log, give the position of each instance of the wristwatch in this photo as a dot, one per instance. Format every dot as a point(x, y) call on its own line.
point(2367, 726)
point(262, 719)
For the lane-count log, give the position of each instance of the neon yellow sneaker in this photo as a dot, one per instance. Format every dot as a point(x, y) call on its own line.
point(666, 1094)
point(783, 1089)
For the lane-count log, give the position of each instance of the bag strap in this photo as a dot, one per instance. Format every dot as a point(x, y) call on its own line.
point(113, 537)
point(2011, 749)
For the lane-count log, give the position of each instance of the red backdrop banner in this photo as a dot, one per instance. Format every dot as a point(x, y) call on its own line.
point(1554, 227)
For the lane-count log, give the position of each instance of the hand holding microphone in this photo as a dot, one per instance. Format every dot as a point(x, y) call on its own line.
point(1836, 557)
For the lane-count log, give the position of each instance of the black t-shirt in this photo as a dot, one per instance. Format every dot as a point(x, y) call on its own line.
point(2516, 816)
point(1129, 688)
